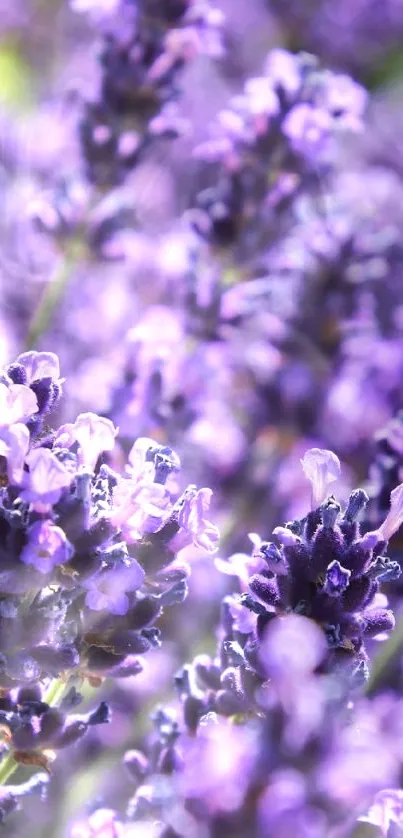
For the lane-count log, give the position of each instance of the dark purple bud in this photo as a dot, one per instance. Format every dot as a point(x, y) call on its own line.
point(207, 673)
point(136, 764)
point(17, 373)
point(193, 709)
point(176, 595)
point(312, 522)
point(356, 503)
point(100, 533)
point(43, 389)
point(182, 680)
point(298, 560)
point(29, 694)
point(99, 660)
point(357, 559)
point(25, 737)
point(100, 716)
point(127, 642)
point(129, 667)
point(250, 681)
point(173, 574)
point(73, 732)
point(357, 593)
point(273, 557)
point(153, 635)
point(265, 589)
point(72, 700)
point(54, 661)
point(52, 723)
point(231, 680)
point(144, 612)
point(378, 621)
point(228, 703)
point(56, 392)
point(234, 652)
point(169, 761)
point(252, 653)
point(330, 512)
point(226, 618)
point(327, 547)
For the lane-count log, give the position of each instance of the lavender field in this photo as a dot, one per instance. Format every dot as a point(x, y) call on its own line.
point(201, 419)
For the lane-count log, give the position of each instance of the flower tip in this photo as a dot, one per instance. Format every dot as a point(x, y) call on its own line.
point(321, 467)
point(394, 518)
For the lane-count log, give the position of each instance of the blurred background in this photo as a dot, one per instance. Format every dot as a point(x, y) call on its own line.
point(240, 352)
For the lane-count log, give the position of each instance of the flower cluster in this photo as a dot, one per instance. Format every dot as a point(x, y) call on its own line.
point(88, 556)
point(285, 123)
point(324, 568)
point(304, 762)
point(145, 47)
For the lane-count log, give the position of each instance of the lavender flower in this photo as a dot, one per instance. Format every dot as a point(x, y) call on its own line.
point(325, 569)
point(75, 597)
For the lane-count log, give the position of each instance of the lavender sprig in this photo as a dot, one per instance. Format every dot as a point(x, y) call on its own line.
point(88, 558)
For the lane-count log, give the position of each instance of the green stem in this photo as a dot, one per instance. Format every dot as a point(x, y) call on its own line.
point(388, 653)
point(51, 697)
point(7, 768)
point(53, 293)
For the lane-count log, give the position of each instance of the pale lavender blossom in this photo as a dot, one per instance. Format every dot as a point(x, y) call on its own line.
point(194, 526)
point(14, 445)
point(94, 435)
point(107, 590)
point(394, 518)
point(46, 479)
point(387, 809)
point(40, 365)
point(103, 823)
point(47, 547)
point(17, 403)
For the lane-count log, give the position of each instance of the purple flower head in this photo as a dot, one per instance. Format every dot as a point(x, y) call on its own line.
point(47, 547)
point(107, 590)
point(325, 570)
point(17, 403)
point(94, 435)
point(321, 468)
point(39, 365)
point(14, 445)
point(46, 479)
point(194, 527)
